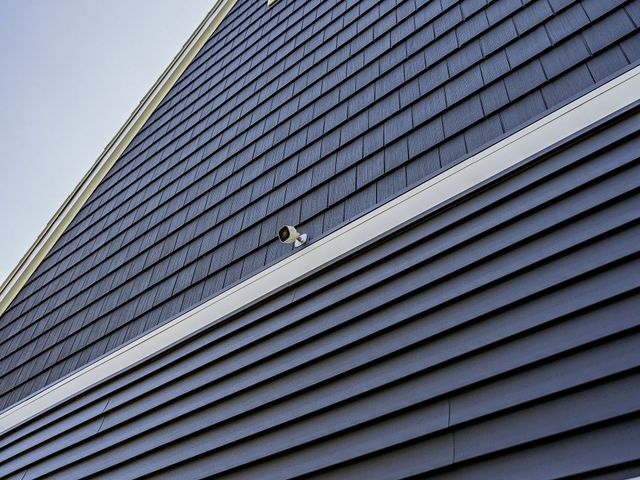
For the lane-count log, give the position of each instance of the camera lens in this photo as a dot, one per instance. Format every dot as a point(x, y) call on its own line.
point(284, 233)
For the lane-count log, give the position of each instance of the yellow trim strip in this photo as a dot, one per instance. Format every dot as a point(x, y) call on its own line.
point(65, 214)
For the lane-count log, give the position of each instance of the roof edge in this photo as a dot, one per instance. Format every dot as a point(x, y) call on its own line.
point(19, 276)
point(544, 133)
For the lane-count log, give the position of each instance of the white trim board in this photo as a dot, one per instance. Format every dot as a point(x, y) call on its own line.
point(545, 132)
point(65, 214)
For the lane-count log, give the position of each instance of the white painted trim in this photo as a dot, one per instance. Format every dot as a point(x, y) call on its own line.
point(554, 127)
point(65, 214)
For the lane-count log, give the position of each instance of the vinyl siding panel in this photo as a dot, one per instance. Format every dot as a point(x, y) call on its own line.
point(308, 113)
point(495, 337)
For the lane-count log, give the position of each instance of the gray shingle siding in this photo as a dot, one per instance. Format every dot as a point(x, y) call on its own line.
point(308, 112)
point(495, 338)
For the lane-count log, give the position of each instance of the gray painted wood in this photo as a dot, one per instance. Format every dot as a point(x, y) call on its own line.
point(309, 112)
point(495, 337)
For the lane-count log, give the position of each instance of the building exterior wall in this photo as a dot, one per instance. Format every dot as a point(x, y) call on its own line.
point(494, 337)
point(308, 113)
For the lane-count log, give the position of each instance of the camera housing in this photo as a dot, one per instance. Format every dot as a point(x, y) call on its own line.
point(289, 234)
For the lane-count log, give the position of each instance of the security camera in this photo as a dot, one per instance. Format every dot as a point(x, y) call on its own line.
point(289, 234)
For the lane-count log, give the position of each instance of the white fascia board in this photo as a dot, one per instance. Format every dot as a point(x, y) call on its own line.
point(534, 138)
point(65, 214)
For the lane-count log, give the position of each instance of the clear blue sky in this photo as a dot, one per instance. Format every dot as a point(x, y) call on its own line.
point(71, 72)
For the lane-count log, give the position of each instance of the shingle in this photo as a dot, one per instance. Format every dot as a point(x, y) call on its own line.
point(368, 74)
point(605, 32)
point(566, 23)
point(335, 117)
point(402, 30)
point(213, 284)
point(330, 143)
point(342, 185)
point(376, 48)
point(463, 86)
point(452, 150)
point(483, 132)
point(426, 12)
point(295, 142)
point(440, 48)
point(389, 82)
point(568, 85)
point(351, 152)
point(631, 47)
point(314, 202)
point(496, 11)
point(494, 67)
point(247, 242)
point(362, 99)
point(325, 102)
point(429, 106)
point(498, 36)
point(448, 20)
point(183, 278)
point(557, 61)
point(633, 9)
point(524, 79)
point(414, 65)
point(398, 125)
point(254, 261)
point(608, 62)
point(534, 13)
point(433, 78)
point(307, 157)
point(383, 23)
point(210, 239)
point(222, 256)
point(422, 166)
point(276, 199)
point(360, 202)
point(409, 92)
point(469, 7)
point(370, 169)
point(396, 153)
point(472, 27)
point(523, 110)
point(333, 217)
point(425, 137)
point(464, 58)
point(529, 46)
point(386, 6)
point(390, 184)
point(373, 140)
point(462, 115)
point(324, 169)
point(597, 8)
point(385, 108)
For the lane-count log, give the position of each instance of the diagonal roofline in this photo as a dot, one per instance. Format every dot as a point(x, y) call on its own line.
point(19, 276)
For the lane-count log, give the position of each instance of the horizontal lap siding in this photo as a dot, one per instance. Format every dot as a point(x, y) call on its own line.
point(495, 338)
point(306, 113)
